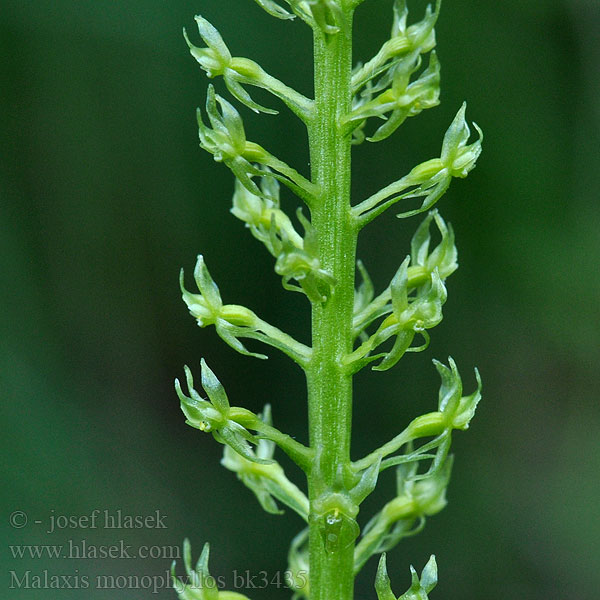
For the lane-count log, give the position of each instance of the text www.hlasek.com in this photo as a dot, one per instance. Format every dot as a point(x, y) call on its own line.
point(80, 549)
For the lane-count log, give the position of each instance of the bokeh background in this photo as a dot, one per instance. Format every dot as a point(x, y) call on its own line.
point(105, 195)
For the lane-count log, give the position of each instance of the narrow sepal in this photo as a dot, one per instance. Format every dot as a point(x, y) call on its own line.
point(457, 409)
point(383, 586)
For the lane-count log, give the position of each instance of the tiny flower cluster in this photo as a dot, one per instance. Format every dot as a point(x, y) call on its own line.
point(412, 302)
point(266, 480)
point(418, 495)
point(455, 411)
point(399, 82)
point(394, 93)
point(226, 140)
point(296, 256)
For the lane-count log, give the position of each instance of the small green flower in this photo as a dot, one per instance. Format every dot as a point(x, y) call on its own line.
point(231, 321)
point(417, 497)
point(262, 213)
point(296, 256)
point(419, 38)
point(213, 415)
point(419, 588)
point(419, 35)
point(410, 315)
point(403, 98)
point(454, 410)
point(443, 257)
point(266, 479)
point(226, 141)
point(458, 409)
point(216, 60)
point(423, 264)
point(457, 159)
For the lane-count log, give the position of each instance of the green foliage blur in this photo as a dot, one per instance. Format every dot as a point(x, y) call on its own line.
point(104, 195)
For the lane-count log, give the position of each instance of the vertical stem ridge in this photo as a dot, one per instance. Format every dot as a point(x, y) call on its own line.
point(329, 386)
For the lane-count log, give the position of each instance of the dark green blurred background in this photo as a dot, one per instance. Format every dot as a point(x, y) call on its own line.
point(105, 195)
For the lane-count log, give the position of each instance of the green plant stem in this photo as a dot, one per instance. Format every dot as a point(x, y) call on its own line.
point(329, 382)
